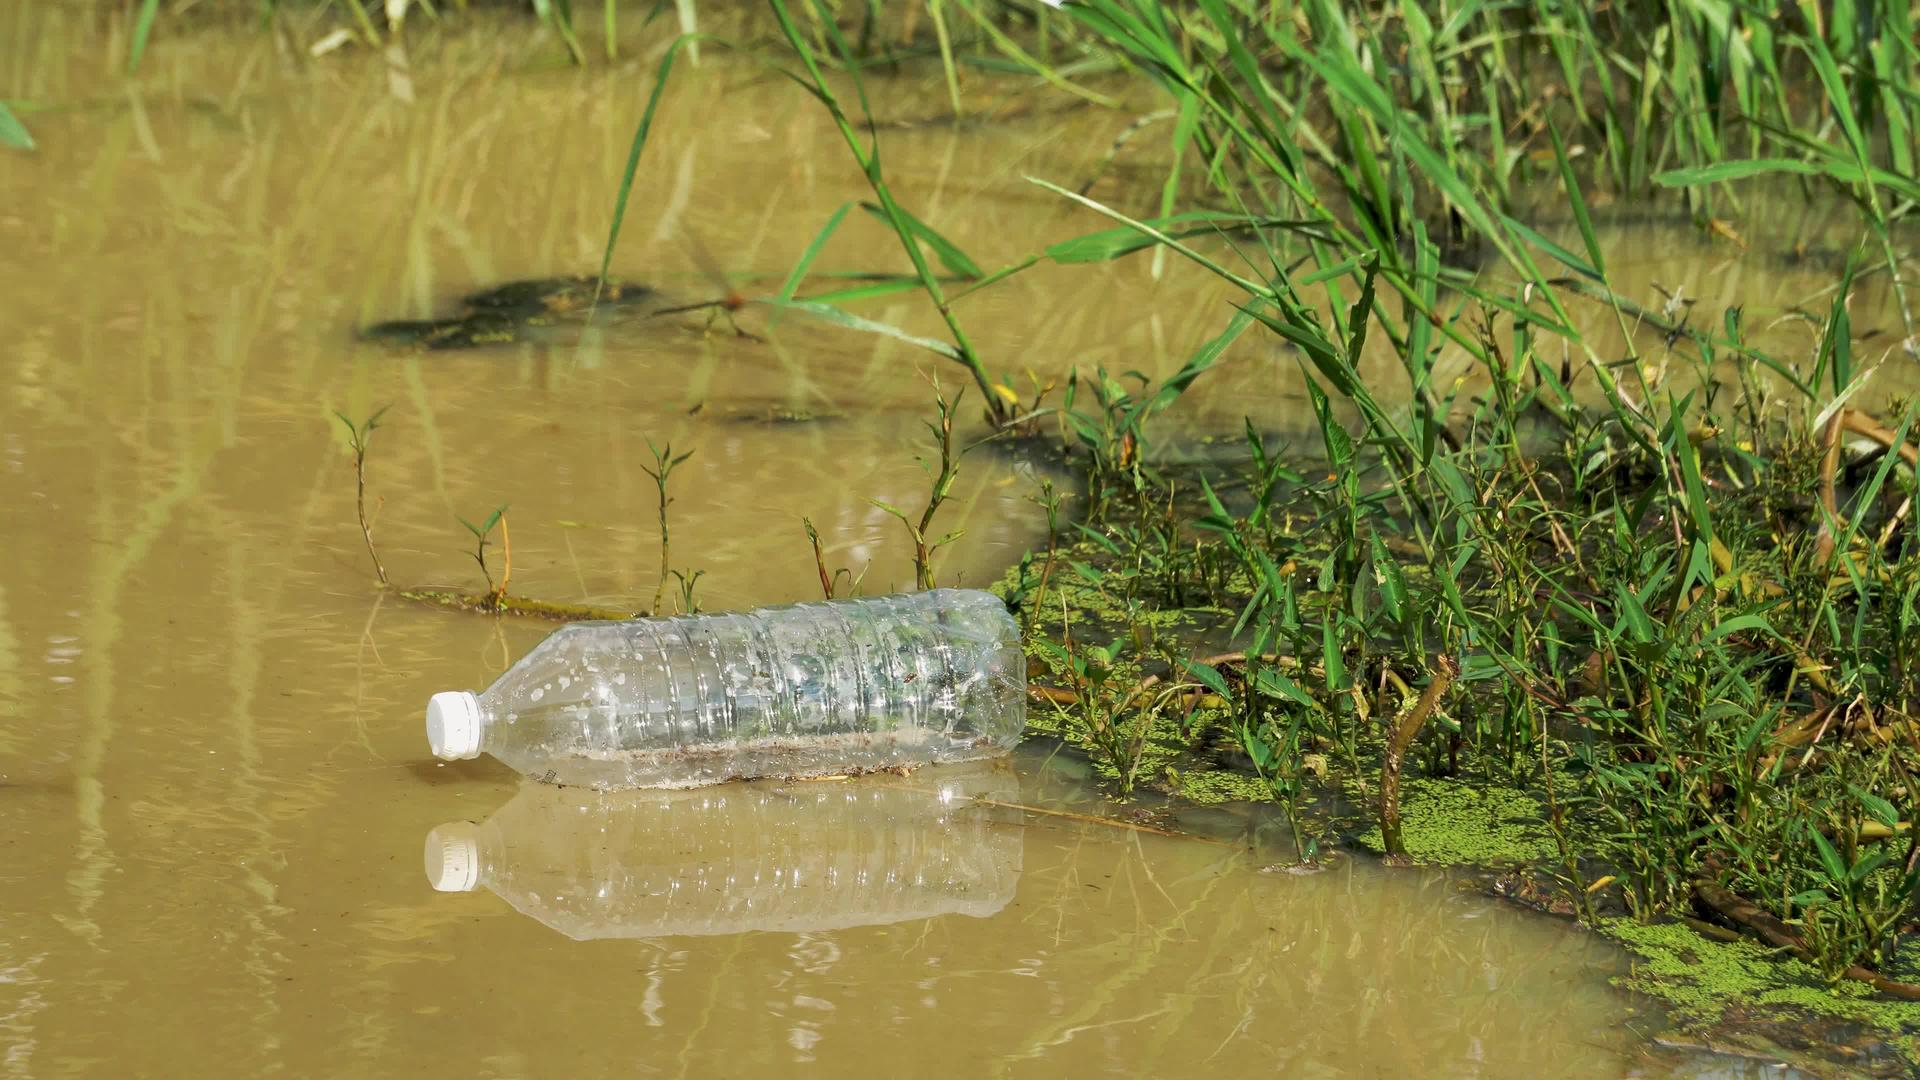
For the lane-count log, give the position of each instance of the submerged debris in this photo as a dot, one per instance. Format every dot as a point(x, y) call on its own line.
point(518, 311)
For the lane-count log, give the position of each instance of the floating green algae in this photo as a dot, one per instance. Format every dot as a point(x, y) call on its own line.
point(1449, 823)
point(1704, 981)
point(1212, 787)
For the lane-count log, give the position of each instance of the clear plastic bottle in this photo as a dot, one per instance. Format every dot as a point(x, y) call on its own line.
point(813, 689)
point(774, 855)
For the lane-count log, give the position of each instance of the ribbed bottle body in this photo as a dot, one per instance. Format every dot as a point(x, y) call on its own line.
point(809, 689)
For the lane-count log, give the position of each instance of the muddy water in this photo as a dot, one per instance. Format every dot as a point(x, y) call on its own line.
point(211, 762)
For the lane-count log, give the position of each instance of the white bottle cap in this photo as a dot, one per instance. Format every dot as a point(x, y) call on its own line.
point(453, 857)
point(453, 725)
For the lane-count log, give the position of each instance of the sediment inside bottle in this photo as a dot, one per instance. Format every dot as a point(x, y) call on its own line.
point(827, 755)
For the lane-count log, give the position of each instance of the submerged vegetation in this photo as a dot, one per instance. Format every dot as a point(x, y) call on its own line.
point(1638, 607)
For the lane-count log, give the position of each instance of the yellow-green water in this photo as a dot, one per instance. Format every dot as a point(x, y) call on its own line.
point(212, 769)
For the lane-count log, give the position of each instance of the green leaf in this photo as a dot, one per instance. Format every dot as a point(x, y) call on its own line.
point(854, 322)
point(792, 285)
point(142, 30)
point(1113, 547)
point(1836, 867)
point(1386, 575)
point(1570, 183)
point(1572, 261)
point(633, 157)
point(1209, 677)
point(1273, 684)
point(1114, 243)
point(1683, 449)
point(1332, 657)
point(1878, 808)
point(945, 250)
point(1739, 624)
point(1735, 170)
point(1638, 624)
point(873, 289)
point(1207, 355)
point(1339, 443)
point(12, 132)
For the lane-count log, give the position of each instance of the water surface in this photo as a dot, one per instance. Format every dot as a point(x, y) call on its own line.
point(211, 758)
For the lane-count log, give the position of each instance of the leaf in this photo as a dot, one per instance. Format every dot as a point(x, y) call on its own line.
point(792, 285)
point(1205, 357)
point(1209, 677)
point(1386, 574)
point(1339, 443)
point(1273, 684)
point(889, 508)
point(1572, 261)
point(1098, 537)
point(1835, 866)
point(1638, 624)
point(1149, 231)
point(1735, 170)
point(1863, 869)
point(854, 322)
point(945, 250)
point(1878, 808)
point(142, 29)
point(1332, 658)
point(1739, 624)
point(1570, 183)
point(12, 132)
point(1114, 243)
point(633, 157)
point(1361, 313)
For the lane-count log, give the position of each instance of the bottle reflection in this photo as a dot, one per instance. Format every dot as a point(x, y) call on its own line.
point(774, 855)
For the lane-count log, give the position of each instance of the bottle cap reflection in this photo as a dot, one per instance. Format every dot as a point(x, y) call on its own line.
point(774, 855)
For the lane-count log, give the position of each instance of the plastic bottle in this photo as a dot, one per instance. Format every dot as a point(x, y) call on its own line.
point(813, 689)
point(772, 855)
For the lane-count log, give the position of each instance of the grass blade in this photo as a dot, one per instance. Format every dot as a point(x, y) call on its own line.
point(633, 161)
point(945, 250)
point(791, 286)
point(851, 321)
point(142, 29)
point(12, 132)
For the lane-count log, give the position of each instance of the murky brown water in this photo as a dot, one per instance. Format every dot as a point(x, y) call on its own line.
point(211, 761)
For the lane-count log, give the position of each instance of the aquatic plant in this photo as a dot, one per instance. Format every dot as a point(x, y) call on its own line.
point(664, 462)
point(942, 471)
point(358, 436)
point(495, 593)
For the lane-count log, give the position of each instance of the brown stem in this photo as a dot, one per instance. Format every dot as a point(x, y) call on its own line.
point(1861, 424)
point(1829, 465)
point(1403, 736)
point(1742, 912)
point(819, 559)
point(360, 506)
